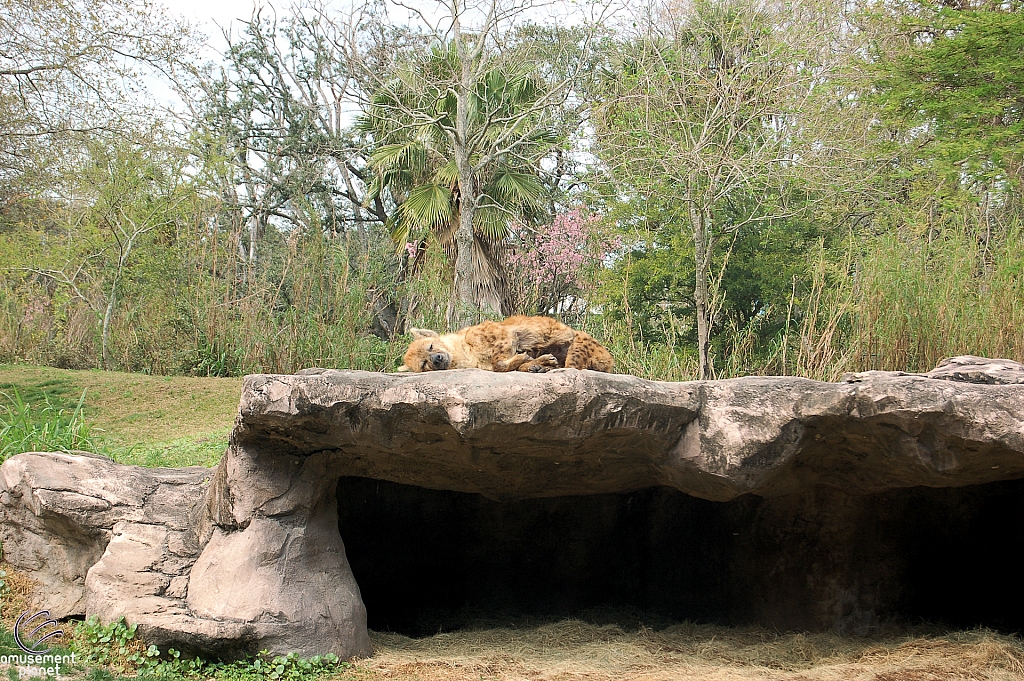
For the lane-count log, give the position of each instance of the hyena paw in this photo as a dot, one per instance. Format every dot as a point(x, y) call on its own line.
point(514, 363)
point(543, 363)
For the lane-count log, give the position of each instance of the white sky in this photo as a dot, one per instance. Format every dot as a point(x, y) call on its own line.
point(211, 12)
point(210, 16)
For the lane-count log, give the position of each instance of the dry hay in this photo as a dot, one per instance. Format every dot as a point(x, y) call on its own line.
point(573, 650)
point(15, 597)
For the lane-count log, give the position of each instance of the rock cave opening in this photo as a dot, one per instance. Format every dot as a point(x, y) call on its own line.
point(428, 560)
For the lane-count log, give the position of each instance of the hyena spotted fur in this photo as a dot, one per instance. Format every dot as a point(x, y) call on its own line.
point(535, 344)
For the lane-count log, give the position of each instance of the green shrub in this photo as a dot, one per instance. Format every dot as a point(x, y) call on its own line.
point(265, 667)
point(112, 645)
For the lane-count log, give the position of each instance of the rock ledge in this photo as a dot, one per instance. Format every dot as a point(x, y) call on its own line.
point(248, 556)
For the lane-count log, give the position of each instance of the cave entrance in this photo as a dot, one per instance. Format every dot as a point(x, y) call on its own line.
point(428, 560)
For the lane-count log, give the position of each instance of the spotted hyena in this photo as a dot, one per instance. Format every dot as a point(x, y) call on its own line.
point(534, 344)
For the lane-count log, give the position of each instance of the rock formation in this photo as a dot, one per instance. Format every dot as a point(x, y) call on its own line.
point(812, 479)
point(61, 511)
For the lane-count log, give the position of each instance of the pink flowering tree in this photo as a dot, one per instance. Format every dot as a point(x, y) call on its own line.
point(552, 268)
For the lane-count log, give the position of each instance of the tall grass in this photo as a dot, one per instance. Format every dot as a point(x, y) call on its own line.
point(669, 360)
point(45, 428)
point(902, 300)
point(920, 300)
point(203, 310)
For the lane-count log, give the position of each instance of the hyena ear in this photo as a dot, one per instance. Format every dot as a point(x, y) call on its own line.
point(423, 333)
point(403, 369)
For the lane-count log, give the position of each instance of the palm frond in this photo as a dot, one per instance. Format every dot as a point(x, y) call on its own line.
point(510, 188)
point(490, 221)
point(428, 205)
point(409, 154)
point(400, 228)
point(411, 121)
point(447, 175)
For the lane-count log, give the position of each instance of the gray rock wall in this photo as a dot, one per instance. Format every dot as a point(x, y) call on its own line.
point(63, 514)
point(250, 556)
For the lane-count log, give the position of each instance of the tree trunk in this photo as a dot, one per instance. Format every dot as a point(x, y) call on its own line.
point(700, 291)
point(105, 336)
point(254, 228)
point(108, 315)
point(465, 312)
point(466, 309)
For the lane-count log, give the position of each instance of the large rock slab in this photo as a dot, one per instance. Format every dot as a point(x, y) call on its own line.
point(283, 568)
point(250, 556)
point(64, 512)
point(511, 436)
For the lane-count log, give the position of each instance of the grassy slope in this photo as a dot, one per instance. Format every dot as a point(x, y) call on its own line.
point(142, 420)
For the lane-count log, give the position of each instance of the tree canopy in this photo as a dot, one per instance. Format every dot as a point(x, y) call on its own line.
point(711, 188)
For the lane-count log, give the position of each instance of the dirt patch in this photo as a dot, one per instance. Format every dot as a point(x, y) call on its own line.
point(571, 650)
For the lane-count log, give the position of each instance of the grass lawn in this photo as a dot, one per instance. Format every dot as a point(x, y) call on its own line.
point(139, 419)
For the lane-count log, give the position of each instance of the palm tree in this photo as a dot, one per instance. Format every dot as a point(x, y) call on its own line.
point(413, 123)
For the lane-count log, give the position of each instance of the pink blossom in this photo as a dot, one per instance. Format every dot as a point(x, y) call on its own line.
point(554, 260)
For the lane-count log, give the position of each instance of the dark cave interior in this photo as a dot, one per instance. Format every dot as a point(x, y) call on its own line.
point(428, 560)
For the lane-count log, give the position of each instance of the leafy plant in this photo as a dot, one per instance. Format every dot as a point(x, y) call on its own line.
point(265, 667)
point(25, 428)
point(111, 644)
point(114, 645)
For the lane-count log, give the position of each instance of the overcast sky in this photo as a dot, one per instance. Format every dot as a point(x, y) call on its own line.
point(212, 16)
point(213, 12)
point(209, 15)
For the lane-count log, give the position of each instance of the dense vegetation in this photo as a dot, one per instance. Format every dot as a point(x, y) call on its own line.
point(712, 188)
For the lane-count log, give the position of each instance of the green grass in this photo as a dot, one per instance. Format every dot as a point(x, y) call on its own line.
point(135, 419)
point(111, 652)
point(9, 647)
point(25, 427)
point(186, 451)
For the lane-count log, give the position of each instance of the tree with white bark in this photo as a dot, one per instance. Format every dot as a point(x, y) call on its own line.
point(721, 109)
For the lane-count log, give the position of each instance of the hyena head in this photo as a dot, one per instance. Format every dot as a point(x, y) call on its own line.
point(427, 353)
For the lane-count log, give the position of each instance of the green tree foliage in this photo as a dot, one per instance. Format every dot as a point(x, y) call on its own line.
point(806, 188)
point(939, 268)
point(480, 93)
point(134, 194)
point(714, 116)
point(72, 71)
point(277, 114)
point(956, 90)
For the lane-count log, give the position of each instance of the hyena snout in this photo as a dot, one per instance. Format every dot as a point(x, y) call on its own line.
point(439, 360)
